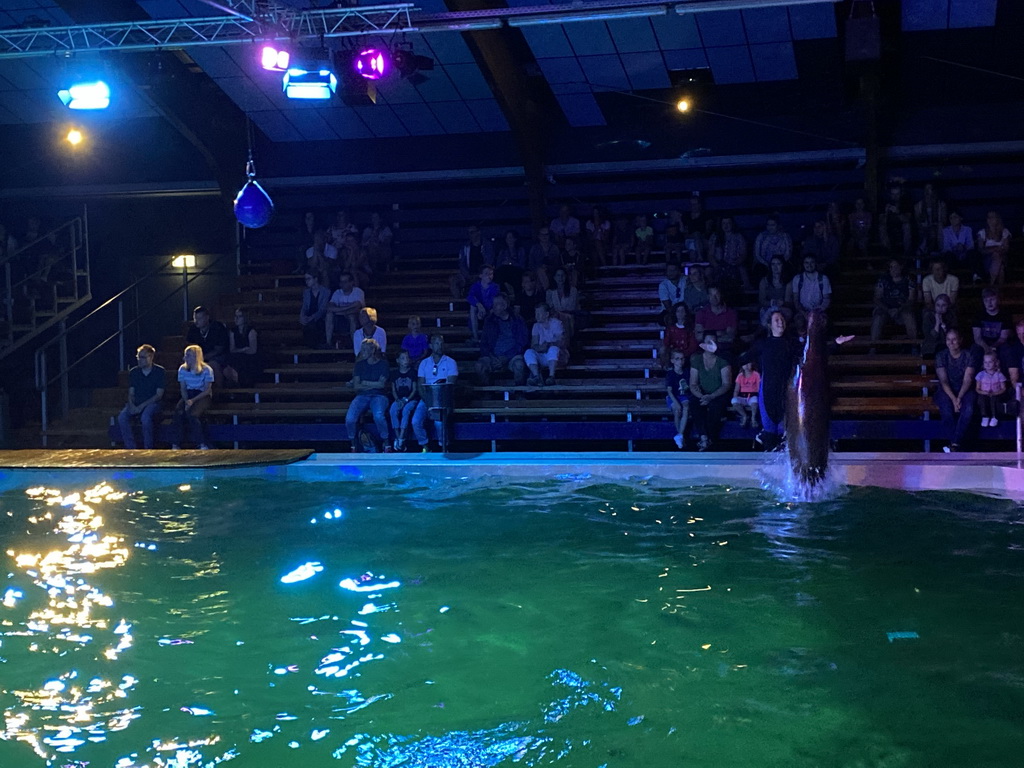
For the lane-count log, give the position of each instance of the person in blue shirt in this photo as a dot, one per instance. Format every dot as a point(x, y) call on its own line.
point(146, 385)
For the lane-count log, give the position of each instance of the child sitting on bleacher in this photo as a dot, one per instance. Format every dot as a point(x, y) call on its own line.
point(415, 341)
point(404, 390)
point(744, 395)
point(677, 387)
point(991, 385)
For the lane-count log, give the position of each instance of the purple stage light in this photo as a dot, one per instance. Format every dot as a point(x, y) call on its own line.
point(371, 63)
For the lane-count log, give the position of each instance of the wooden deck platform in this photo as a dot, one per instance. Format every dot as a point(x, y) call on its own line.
point(88, 458)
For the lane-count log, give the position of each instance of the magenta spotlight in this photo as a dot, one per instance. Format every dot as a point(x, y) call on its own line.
point(274, 60)
point(371, 63)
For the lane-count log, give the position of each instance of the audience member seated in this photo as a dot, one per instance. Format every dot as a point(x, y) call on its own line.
point(695, 294)
point(678, 336)
point(955, 368)
point(474, 255)
point(340, 229)
point(312, 316)
point(598, 232)
point(502, 344)
point(675, 237)
point(565, 225)
point(404, 390)
point(993, 247)
point(677, 390)
point(353, 259)
point(377, 244)
point(938, 282)
point(696, 223)
point(861, 223)
point(727, 252)
point(544, 258)
point(547, 346)
point(823, 246)
point(415, 342)
point(744, 395)
point(1013, 355)
point(643, 239)
point(930, 215)
point(572, 260)
point(774, 241)
point(346, 302)
point(710, 387)
point(563, 302)
point(368, 329)
point(480, 298)
point(835, 223)
point(511, 263)
point(958, 245)
point(146, 383)
point(771, 293)
point(322, 257)
point(894, 223)
point(621, 240)
point(195, 380)
point(993, 325)
point(670, 290)
point(243, 363)
point(212, 336)
point(990, 384)
point(306, 234)
point(436, 369)
point(718, 320)
point(895, 301)
point(809, 290)
point(937, 322)
point(370, 383)
point(529, 295)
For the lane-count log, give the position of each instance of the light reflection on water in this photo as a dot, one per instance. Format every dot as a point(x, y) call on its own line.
point(571, 622)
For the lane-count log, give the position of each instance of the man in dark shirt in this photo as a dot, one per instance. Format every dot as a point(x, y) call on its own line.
point(370, 381)
point(146, 383)
point(530, 294)
point(993, 325)
point(212, 337)
point(502, 344)
point(473, 256)
point(895, 300)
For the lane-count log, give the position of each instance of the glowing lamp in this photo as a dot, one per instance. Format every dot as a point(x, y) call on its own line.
point(371, 63)
point(274, 60)
point(683, 105)
point(94, 95)
point(310, 83)
point(185, 261)
point(74, 137)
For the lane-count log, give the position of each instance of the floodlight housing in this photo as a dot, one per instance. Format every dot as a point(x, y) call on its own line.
point(90, 95)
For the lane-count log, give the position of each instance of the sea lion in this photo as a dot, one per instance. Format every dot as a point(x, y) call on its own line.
point(807, 406)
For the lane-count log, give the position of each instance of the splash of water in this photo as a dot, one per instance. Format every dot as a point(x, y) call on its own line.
point(776, 476)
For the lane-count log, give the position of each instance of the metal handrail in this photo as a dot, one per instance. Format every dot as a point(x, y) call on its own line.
point(43, 382)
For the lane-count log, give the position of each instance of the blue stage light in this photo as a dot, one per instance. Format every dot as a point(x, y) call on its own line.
point(94, 95)
point(318, 82)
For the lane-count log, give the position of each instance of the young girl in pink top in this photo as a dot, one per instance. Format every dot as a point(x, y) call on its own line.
point(991, 385)
point(744, 395)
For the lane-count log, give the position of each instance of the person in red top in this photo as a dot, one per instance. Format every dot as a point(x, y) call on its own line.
point(678, 336)
point(744, 395)
point(718, 319)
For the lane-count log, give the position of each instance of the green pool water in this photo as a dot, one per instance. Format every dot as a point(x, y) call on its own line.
point(482, 623)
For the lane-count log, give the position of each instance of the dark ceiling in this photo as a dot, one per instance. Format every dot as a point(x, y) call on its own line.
point(765, 79)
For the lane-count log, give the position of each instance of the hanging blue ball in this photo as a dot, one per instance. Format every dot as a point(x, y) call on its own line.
point(253, 206)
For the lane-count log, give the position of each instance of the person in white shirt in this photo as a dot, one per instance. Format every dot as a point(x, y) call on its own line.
point(670, 291)
point(368, 329)
point(939, 282)
point(957, 240)
point(810, 289)
point(547, 345)
point(438, 368)
point(346, 301)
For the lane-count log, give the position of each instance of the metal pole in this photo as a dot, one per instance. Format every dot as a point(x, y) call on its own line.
point(184, 278)
point(65, 396)
point(120, 336)
point(42, 394)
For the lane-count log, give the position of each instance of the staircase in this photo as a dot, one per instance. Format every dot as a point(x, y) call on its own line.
point(44, 281)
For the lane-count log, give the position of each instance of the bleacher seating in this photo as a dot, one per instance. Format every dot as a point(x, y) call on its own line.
point(610, 395)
